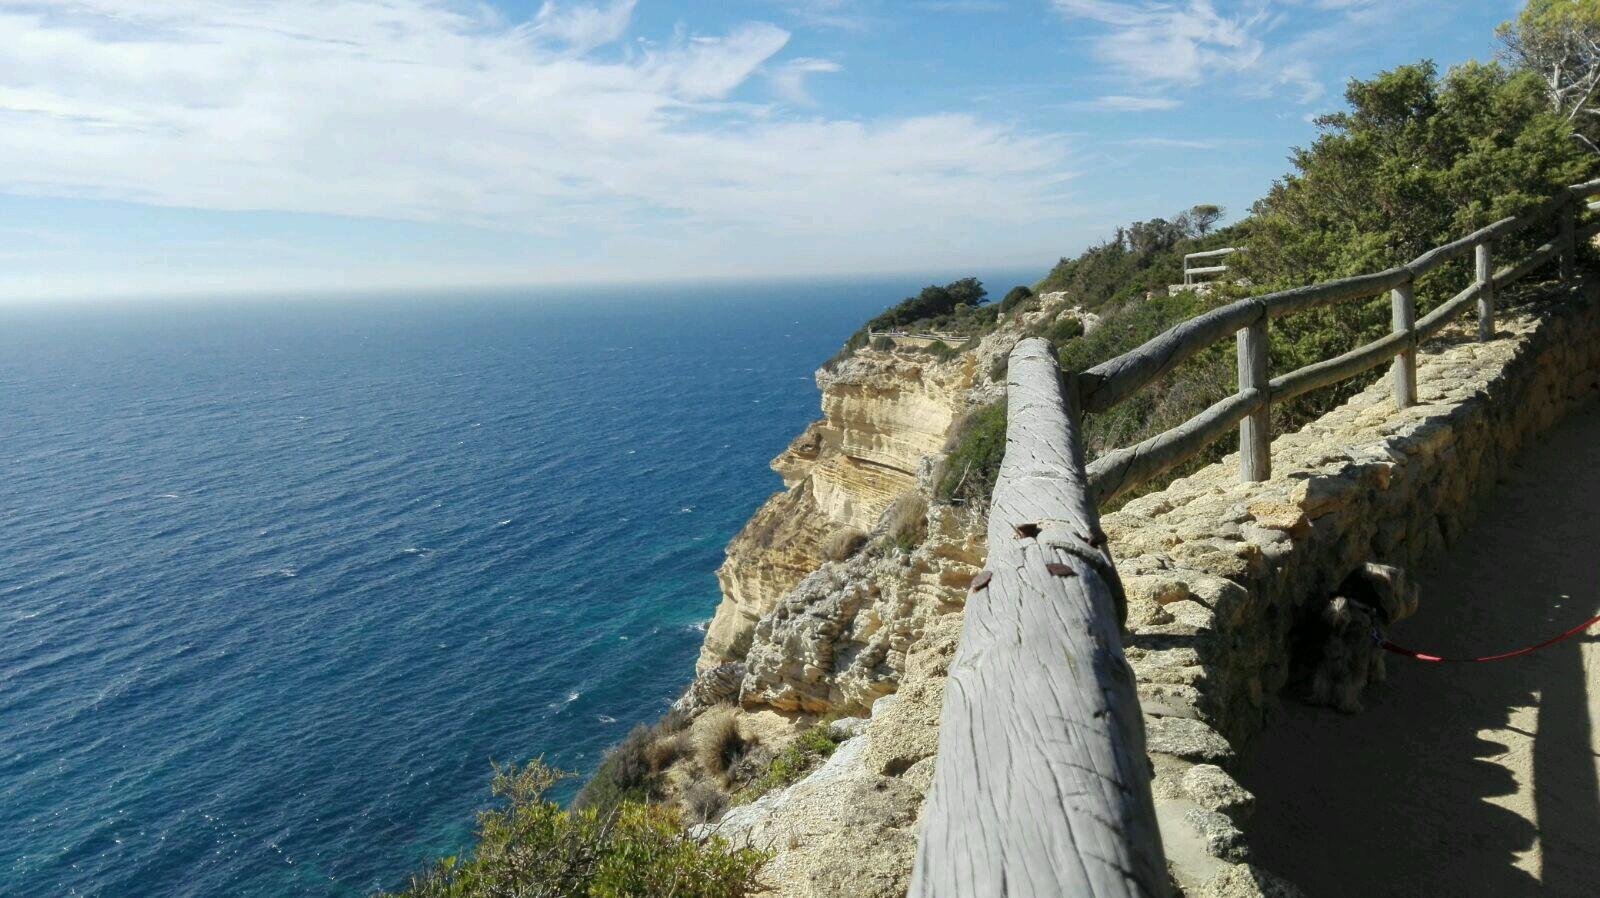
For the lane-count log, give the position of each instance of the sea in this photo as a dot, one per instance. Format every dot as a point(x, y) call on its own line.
point(281, 578)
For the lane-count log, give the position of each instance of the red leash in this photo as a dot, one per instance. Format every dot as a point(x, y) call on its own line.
point(1413, 653)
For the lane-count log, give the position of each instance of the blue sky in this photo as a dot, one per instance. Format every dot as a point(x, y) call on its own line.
point(202, 146)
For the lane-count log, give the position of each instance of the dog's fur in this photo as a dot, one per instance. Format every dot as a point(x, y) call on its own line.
point(1335, 658)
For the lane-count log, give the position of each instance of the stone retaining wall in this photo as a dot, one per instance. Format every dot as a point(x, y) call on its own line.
point(1219, 572)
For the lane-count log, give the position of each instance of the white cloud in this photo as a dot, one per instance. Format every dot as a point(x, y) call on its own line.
point(788, 79)
point(1254, 47)
point(1170, 42)
point(1173, 143)
point(844, 15)
point(583, 27)
point(961, 6)
point(1299, 75)
point(426, 110)
point(1122, 103)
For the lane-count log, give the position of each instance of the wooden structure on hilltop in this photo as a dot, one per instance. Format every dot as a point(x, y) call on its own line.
point(1041, 786)
point(1192, 273)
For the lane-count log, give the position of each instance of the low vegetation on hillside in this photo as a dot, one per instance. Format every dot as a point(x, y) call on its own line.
point(531, 846)
point(1144, 257)
point(1417, 160)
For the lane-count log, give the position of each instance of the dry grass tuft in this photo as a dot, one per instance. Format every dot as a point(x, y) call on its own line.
point(718, 744)
point(907, 521)
point(843, 544)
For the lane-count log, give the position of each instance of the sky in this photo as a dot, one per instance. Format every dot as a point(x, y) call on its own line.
point(207, 146)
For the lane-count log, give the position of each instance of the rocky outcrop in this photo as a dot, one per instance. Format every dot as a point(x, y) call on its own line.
point(839, 640)
point(884, 413)
point(850, 827)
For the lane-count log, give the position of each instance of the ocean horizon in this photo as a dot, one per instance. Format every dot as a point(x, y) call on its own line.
point(282, 579)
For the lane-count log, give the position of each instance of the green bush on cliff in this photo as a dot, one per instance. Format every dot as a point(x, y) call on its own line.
point(813, 746)
point(1015, 297)
point(1066, 327)
point(933, 303)
point(1169, 401)
point(531, 847)
point(958, 307)
point(974, 456)
point(631, 769)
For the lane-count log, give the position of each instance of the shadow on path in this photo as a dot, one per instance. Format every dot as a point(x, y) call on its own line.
point(1464, 779)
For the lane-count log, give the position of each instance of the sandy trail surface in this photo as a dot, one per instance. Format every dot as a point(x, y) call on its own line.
point(1464, 779)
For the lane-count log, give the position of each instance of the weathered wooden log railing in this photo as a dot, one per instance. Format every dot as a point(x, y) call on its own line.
point(932, 335)
point(1191, 272)
point(1041, 785)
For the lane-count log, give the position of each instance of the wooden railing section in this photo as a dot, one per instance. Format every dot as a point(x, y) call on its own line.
point(956, 339)
point(1041, 784)
point(1114, 380)
point(1192, 271)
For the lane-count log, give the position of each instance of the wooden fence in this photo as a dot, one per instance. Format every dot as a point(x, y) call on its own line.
point(1190, 272)
point(1041, 785)
point(953, 339)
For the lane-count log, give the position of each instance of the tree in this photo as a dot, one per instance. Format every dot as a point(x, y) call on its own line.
point(1202, 218)
point(1016, 296)
point(1559, 41)
point(967, 292)
point(932, 303)
point(1416, 161)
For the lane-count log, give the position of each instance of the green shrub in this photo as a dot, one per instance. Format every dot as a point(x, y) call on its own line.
point(1144, 257)
point(531, 847)
point(813, 746)
point(1016, 296)
point(930, 305)
point(941, 350)
point(625, 774)
point(973, 461)
point(631, 769)
point(1415, 161)
point(957, 307)
point(883, 344)
point(1066, 327)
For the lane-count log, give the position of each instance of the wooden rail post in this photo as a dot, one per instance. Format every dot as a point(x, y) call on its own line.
point(1041, 786)
point(1255, 431)
point(1485, 278)
point(1569, 239)
point(1403, 317)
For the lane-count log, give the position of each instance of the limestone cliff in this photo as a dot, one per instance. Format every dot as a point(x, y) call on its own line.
point(887, 417)
point(842, 595)
point(886, 413)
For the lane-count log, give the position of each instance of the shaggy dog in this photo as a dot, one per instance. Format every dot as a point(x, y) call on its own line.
point(1336, 655)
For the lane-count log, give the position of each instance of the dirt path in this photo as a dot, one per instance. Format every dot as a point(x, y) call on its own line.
point(1464, 779)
